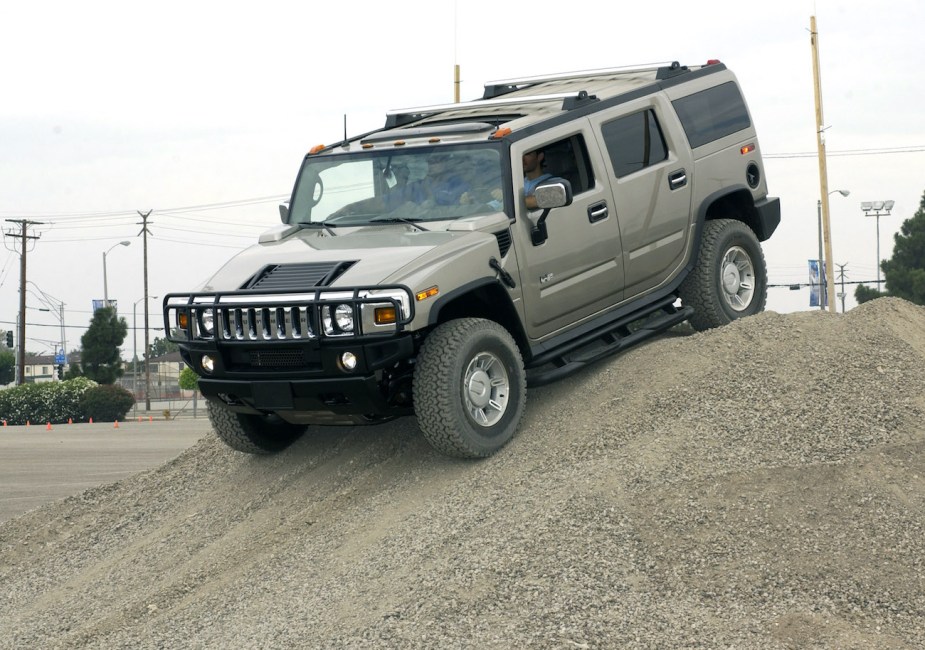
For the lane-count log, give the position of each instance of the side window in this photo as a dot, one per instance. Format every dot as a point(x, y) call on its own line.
point(568, 159)
point(634, 142)
point(712, 114)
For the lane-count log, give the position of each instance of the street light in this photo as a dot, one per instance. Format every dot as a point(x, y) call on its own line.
point(822, 270)
point(135, 353)
point(105, 284)
point(878, 208)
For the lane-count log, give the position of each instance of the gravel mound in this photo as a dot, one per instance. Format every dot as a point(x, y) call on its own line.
point(757, 486)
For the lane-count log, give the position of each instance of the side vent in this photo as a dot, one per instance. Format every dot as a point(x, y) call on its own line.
point(504, 241)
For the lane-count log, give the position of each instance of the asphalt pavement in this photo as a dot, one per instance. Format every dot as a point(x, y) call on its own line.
point(38, 465)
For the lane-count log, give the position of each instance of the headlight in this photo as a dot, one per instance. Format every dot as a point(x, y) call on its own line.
point(207, 322)
point(342, 321)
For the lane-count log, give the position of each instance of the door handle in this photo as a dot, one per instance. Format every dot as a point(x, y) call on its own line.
point(677, 179)
point(598, 212)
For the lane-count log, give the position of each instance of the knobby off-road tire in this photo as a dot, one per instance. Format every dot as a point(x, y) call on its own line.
point(253, 434)
point(730, 279)
point(469, 388)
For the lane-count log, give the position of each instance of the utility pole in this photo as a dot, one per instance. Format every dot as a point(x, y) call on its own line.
point(841, 277)
point(144, 234)
point(21, 357)
point(823, 173)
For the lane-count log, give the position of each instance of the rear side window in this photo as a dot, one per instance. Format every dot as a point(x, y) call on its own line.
point(712, 114)
point(634, 142)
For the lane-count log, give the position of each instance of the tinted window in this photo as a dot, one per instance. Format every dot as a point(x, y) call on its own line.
point(712, 114)
point(568, 159)
point(634, 142)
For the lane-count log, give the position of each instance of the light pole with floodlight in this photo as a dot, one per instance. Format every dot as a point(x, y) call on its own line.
point(105, 283)
point(878, 208)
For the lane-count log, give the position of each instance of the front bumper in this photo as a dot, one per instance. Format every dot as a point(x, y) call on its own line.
point(303, 379)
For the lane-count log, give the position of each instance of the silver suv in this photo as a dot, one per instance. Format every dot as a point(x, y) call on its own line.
point(408, 275)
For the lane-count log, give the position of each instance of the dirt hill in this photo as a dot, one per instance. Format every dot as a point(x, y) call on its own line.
point(758, 486)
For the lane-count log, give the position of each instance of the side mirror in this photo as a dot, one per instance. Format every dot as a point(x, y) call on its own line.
point(284, 213)
point(554, 193)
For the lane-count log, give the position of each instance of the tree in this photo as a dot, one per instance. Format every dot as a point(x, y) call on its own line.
point(160, 347)
point(189, 380)
point(904, 273)
point(7, 366)
point(100, 359)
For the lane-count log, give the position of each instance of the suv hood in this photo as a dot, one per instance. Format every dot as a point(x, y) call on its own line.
point(382, 254)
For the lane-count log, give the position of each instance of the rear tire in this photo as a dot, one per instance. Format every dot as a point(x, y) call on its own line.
point(730, 279)
point(469, 388)
point(253, 434)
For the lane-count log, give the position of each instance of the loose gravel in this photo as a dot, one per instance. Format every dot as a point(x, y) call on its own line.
point(757, 486)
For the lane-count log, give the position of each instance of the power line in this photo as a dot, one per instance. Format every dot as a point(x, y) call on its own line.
point(849, 152)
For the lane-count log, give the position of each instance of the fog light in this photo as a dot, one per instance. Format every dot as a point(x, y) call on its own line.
point(208, 363)
point(348, 360)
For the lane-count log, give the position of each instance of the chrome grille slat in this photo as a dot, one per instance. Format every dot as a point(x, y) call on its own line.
point(288, 323)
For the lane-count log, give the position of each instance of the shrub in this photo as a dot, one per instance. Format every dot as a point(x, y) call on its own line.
point(189, 380)
point(106, 402)
point(47, 402)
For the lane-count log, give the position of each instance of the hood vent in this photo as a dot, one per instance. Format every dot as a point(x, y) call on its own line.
point(297, 277)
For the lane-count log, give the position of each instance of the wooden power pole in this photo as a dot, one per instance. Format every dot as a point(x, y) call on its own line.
point(827, 265)
point(21, 343)
point(144, 234)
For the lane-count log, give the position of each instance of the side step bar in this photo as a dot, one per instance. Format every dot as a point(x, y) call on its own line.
point(623, 334)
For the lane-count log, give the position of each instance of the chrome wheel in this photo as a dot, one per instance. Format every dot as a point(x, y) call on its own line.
point(737, 278)
point(486, 388)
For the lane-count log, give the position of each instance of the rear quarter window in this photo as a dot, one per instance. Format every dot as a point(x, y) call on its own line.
point(712, 114)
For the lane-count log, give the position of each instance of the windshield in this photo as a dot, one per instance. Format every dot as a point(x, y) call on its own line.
point(420, 184)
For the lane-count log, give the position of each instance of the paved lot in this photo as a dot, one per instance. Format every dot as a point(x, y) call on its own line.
point(38, 465)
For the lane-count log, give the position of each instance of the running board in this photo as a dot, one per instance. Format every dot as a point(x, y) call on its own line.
point(623, 334)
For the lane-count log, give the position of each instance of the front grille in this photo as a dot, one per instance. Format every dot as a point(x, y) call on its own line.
point(296, 317)
point(266, 323)
point(276, 358)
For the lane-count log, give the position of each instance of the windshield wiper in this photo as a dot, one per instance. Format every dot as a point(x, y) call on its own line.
point(410, 222)
point(318, 224)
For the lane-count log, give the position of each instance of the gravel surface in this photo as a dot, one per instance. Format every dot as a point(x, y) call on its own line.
point(758, 486)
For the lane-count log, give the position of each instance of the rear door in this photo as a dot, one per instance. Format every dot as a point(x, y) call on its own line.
point(651, 175)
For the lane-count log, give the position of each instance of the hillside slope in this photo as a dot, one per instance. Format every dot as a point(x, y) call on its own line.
point(758, 486)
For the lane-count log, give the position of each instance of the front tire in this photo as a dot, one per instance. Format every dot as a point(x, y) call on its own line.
point(730, 279)
point(469, 388)
point(253, 434)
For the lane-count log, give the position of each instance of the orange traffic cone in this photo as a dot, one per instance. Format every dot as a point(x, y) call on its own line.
point(48, 427)
point(4, 423)
point(115, 425)
point(70, 420)
point(91, 420)
point(28, 423)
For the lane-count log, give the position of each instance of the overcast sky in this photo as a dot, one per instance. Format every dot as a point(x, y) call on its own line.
point(202, 112)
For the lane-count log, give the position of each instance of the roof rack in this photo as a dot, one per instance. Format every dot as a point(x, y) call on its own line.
point(496, 88)
point(399, 117)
